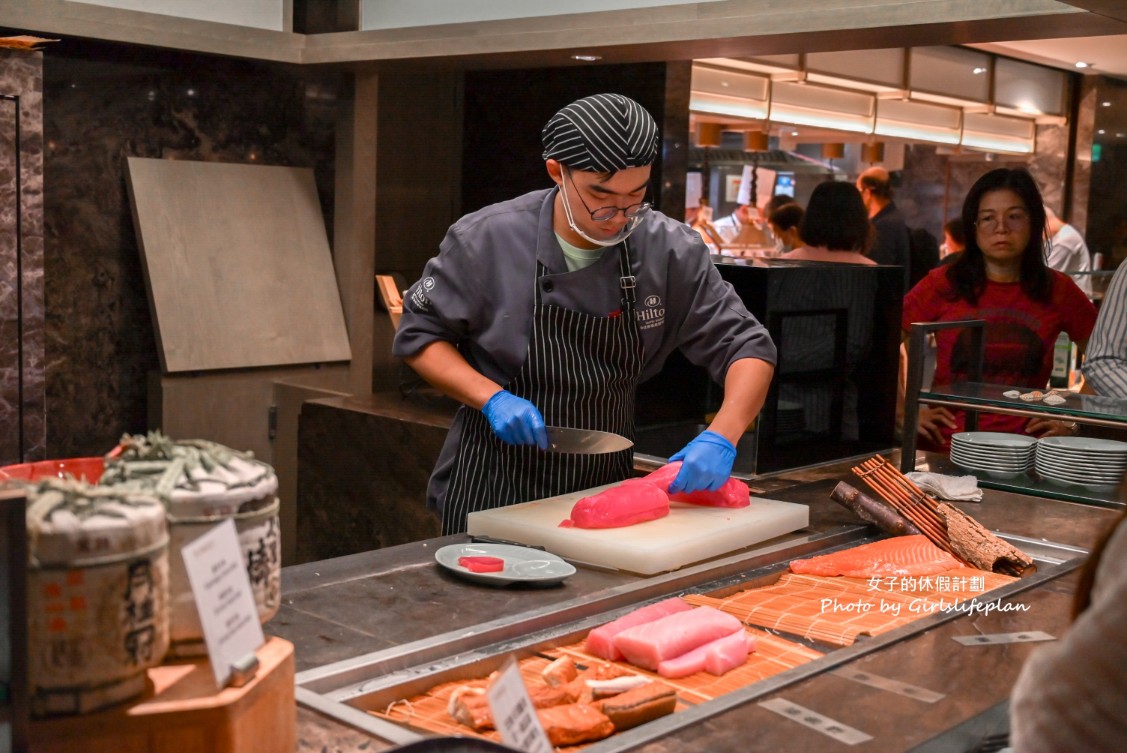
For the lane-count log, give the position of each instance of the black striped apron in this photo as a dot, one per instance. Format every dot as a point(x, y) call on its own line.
point(582, 372)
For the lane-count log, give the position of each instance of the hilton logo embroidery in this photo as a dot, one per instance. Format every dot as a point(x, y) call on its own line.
point(651, 313)
point(419, 294)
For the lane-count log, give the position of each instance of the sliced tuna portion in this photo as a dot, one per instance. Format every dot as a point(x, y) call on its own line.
point(718, 657)
point(734, 493)
point(900, 556)
point(600, 641)
point(633, 501)
point(649, 644)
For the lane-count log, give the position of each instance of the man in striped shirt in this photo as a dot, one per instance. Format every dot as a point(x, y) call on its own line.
point(1105, 365)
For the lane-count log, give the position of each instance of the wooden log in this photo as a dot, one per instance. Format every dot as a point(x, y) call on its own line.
point(978, 546)
point(872, 510)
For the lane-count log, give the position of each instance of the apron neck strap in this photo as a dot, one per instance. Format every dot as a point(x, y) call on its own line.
point(626, 281)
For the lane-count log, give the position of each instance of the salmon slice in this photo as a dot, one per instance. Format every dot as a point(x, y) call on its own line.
point(901, 555)
point(734, 493)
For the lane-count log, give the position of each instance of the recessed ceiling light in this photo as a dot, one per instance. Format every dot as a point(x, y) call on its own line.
point(587, 58)
point(1106, 104)
point(1101, 132)
point(794, 133)
point(1082, 64)
point(978, 70)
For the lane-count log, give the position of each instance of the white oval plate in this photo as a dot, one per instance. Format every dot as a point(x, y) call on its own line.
point(994, 439)
point(1087, 443)
point(522, 564)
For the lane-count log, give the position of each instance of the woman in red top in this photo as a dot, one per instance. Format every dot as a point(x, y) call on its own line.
point(1001, 277)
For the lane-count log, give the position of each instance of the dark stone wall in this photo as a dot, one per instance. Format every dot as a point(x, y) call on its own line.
point(22, 391)
point(102, 104)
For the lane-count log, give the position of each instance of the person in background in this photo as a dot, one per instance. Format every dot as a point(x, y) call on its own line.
point(784, 223)
point(550, 308)
point(777, 201)
point(730, 227)
point(835, 226)
point(1071, 693)
point(893, 243)
point(1067, 251)
point(954, 240)
point(1000, 277)
point(1105, 361)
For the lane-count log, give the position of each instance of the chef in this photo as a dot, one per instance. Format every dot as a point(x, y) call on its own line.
point(550, 308)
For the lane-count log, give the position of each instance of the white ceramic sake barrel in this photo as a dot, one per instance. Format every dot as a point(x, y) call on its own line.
point(202, 484)
point(97, 594)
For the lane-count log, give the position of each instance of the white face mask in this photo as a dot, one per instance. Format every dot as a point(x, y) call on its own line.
point(630, 226)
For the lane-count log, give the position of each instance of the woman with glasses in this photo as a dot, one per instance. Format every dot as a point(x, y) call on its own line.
point(1001, 278)
point(550, 308)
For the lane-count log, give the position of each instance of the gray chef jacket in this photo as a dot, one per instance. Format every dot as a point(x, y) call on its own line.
point(477, 295)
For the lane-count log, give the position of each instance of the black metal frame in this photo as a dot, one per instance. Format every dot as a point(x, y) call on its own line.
point(15, 709)
point(917, 351)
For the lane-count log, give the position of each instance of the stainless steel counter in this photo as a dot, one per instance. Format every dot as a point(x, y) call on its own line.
point(386, 610)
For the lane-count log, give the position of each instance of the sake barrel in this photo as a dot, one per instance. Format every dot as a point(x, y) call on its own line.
point(202, 484)
point(98, 581)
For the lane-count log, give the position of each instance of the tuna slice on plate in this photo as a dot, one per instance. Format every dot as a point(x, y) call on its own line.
point(734, 493)
point(718, 657)
point(651, 643)
point(900, 556)
point(633, 501)
point(600, 641)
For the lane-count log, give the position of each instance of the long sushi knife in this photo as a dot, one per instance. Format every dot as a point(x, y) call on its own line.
point(585, 441)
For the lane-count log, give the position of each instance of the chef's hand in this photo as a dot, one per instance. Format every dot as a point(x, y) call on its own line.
point(931, 421)
point(515, 420)
point(1047, 427)
point(706, 463)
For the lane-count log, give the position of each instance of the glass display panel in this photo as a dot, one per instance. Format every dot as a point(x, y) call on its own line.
point(1029, 88)
point(878, 66)
point(950, 71)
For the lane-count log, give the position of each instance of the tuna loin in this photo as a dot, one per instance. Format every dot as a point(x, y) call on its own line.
point(600, 641)
point(651, 643)
point(632, 501)
point(716, 658)
point(734, 493)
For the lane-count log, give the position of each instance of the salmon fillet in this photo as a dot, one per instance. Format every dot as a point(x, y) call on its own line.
point(900, 555)
point(734, 493)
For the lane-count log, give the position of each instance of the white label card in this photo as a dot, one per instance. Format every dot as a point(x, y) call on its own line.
point(221, 587)
point(815, 721)
point(513, 712)
point(993, 639)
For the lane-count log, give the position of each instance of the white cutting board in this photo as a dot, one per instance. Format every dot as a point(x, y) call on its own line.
point(688, 534)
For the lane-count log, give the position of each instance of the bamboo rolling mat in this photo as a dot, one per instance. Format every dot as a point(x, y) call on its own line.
point(772, 655)
point(836, 610)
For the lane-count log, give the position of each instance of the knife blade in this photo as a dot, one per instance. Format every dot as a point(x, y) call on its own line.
point(585, 441)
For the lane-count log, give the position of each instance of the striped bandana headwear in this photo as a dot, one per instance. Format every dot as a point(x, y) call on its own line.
point(603, 133)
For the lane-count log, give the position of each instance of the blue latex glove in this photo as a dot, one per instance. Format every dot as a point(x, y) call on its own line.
point(515, 420)
point(706, 463)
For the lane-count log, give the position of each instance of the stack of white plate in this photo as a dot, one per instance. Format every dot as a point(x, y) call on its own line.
point(1098, 464)
point(993, 453)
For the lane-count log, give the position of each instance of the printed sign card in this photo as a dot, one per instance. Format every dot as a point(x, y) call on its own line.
point(228, 614)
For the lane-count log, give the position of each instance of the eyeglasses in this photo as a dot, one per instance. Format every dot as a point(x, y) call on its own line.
point(1015, 219)
point(602, 214)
